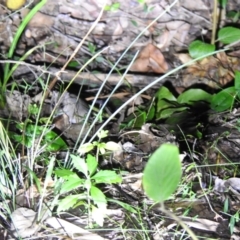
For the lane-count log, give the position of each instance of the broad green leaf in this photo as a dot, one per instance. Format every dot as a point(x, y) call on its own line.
point(98, 214)
point(91, 164)
point(64, 173)
point(163, 104)
point(198, 49)
point(85, 148)
point(164, 93)
point(101, 146)
point(162, 173)
point(80, 164)
point(228, 35)
point(179, 118)
point(223, 100)
point(112, 146)
point(151, 112)
point(98, 196)
point(193, 95)
point(73, 182)
point(102, 134)
point(106, 176)
point(140, 119)
point(165, 99)
point(54, 142)
point(69, 202)
point(167, 112)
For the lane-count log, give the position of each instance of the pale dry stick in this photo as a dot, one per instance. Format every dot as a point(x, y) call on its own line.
point(37, 67)
point(53, 82)
point(214, 27)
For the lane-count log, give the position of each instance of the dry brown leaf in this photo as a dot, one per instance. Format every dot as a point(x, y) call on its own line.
point(218, 70)
point(150, 59)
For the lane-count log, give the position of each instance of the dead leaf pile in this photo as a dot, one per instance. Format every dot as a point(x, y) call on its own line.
point(214, 71)
point(150, 59)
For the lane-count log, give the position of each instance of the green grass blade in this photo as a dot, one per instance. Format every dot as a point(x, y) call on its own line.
point(16, 38)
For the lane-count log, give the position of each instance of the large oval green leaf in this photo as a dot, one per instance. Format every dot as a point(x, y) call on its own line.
point(194, 95)
point(198, 49)
point(228, 35)
point(162, 173)
point(224, 99)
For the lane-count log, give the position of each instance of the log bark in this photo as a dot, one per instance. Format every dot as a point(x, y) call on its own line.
point(56, 30)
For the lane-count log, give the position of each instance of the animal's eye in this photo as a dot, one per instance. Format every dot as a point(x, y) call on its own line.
point(61, 105)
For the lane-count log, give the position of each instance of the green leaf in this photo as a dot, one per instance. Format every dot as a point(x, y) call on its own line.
point(151, 112)
point(91, 164)
point(98, 196)
point(106, 176)
point(102, 134)
point(64, 173)
point(164, 93)
point(74, 64)
point(179, 118)
point(223, 100)
point(167, 112)
point(112, 146)
point(73, 182)
point(54, 142)
point(234, 15)
point(232, 224)
point(228, 35)
point(237, 83)
point(98, 214)
point(85, 148)
point(162, 173)
point(91, 48)
point(223, 3)
point(113, 7)
point(198, 49)
point(80, 164)
point(140, 119)
point(165, 99)
point(68, 202)
point(194, 95)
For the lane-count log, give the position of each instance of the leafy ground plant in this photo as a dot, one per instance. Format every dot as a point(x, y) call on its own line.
point(78, 182)
point(90, 195)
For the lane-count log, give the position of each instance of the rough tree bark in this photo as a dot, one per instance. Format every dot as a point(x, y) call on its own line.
point(59, 26)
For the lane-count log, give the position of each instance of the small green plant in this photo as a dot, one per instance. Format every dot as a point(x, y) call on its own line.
point(85, 177)
point(30, 134)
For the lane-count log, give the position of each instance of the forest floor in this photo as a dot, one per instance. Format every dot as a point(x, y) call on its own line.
point(64, 177)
